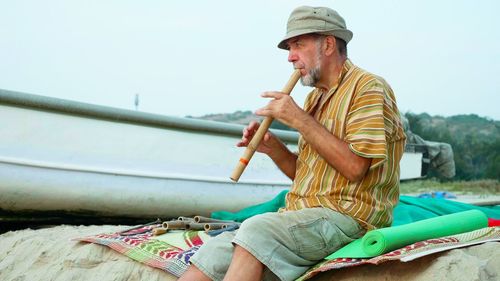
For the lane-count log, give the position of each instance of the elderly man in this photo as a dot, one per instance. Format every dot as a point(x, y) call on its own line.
point(345, 174)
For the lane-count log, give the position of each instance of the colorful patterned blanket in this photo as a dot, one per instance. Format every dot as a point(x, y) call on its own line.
point(172, 251)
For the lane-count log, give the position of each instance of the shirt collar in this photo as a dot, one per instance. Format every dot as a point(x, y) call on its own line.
point(323, 96)
point(345, 68)
point(348, 65)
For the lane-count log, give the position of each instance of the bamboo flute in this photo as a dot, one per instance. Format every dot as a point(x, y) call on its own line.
point(214, 226)
point(259, 135)
point(201, 219)
point(169, 225)
point(159, 231)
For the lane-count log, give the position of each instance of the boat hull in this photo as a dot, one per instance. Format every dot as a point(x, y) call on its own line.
point(102, 194)
point(59, 156)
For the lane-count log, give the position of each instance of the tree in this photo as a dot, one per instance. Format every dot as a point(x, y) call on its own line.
point(475, 141)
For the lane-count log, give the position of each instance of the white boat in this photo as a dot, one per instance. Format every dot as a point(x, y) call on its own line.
point(65, 157)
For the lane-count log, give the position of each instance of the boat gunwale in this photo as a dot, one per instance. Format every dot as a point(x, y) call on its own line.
point(63, 106)
point(75, 108)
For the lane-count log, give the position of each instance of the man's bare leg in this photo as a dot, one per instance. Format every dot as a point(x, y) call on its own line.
point(194, 274)
point(244, 266)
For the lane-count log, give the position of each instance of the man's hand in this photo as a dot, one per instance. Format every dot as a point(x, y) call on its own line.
point(265, 145)
point(273, 147)
point(283, 108)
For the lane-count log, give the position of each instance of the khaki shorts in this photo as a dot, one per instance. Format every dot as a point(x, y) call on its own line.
point(287, 243)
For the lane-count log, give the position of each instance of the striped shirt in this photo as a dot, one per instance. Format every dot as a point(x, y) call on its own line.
point(361, 110)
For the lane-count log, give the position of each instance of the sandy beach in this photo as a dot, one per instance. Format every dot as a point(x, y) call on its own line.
point(51, 254)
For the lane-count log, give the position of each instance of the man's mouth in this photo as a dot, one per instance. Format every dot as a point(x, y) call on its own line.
point(301, 68)
point(303, 72)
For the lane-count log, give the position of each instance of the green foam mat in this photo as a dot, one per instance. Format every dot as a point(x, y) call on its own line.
point(380, 241)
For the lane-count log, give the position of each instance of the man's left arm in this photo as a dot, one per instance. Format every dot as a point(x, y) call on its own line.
point(335, 151)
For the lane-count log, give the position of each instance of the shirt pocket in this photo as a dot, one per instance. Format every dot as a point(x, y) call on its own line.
point(334, 126)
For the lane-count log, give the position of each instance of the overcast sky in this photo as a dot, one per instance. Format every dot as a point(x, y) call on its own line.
point(198, 57)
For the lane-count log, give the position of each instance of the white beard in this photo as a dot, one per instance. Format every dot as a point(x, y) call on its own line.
point(312, 77)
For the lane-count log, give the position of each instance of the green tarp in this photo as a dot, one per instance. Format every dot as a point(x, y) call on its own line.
point(269, 206)
point(409, 209)
point(415, 219)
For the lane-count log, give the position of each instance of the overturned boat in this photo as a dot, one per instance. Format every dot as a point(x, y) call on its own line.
point(60, 157)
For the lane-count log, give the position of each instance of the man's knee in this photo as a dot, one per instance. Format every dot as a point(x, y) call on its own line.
point(258, 223)
point(194, 274)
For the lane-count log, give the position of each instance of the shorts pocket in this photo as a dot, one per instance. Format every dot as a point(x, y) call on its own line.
point(346, 229)
point(313, 239)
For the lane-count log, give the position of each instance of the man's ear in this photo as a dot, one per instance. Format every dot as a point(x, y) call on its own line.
point(330, 45)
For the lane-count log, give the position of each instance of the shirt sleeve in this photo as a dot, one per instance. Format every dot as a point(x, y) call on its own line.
point(365, 125)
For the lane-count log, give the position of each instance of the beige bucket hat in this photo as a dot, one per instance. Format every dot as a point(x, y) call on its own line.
point(305, 19)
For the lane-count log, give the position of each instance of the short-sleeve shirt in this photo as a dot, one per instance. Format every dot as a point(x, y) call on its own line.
point(361, 110)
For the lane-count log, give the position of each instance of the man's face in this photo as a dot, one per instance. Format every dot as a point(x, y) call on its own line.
point(305, 54)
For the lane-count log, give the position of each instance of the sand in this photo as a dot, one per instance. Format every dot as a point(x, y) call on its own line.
point(480, 262)
point(50, 254)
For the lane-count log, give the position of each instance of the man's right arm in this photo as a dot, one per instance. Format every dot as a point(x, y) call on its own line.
point(273, 147)
point(284, 158)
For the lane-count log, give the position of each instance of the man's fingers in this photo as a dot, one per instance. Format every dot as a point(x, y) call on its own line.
point(253, 126)
point(243, 142)
point(267, 137)
point(263, 112)
point(275, 95)
point(246, 133)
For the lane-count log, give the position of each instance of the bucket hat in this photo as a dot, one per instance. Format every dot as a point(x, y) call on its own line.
point(322, 20)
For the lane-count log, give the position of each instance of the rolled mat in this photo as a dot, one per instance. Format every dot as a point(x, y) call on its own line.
point(381, 241)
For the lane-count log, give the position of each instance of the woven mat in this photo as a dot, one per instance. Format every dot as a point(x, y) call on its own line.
point(172, 251)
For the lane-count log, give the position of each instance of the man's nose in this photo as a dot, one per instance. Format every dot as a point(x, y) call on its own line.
point(292, 56)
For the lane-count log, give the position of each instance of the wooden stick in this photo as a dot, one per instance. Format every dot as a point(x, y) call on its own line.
point(159, 231)
point(186, 219)
point(169, 225)
point(214, 226)
point(195, 226)
point(259, 135)
point(202, 219)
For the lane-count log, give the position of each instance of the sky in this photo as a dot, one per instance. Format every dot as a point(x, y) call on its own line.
point(200, 57)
